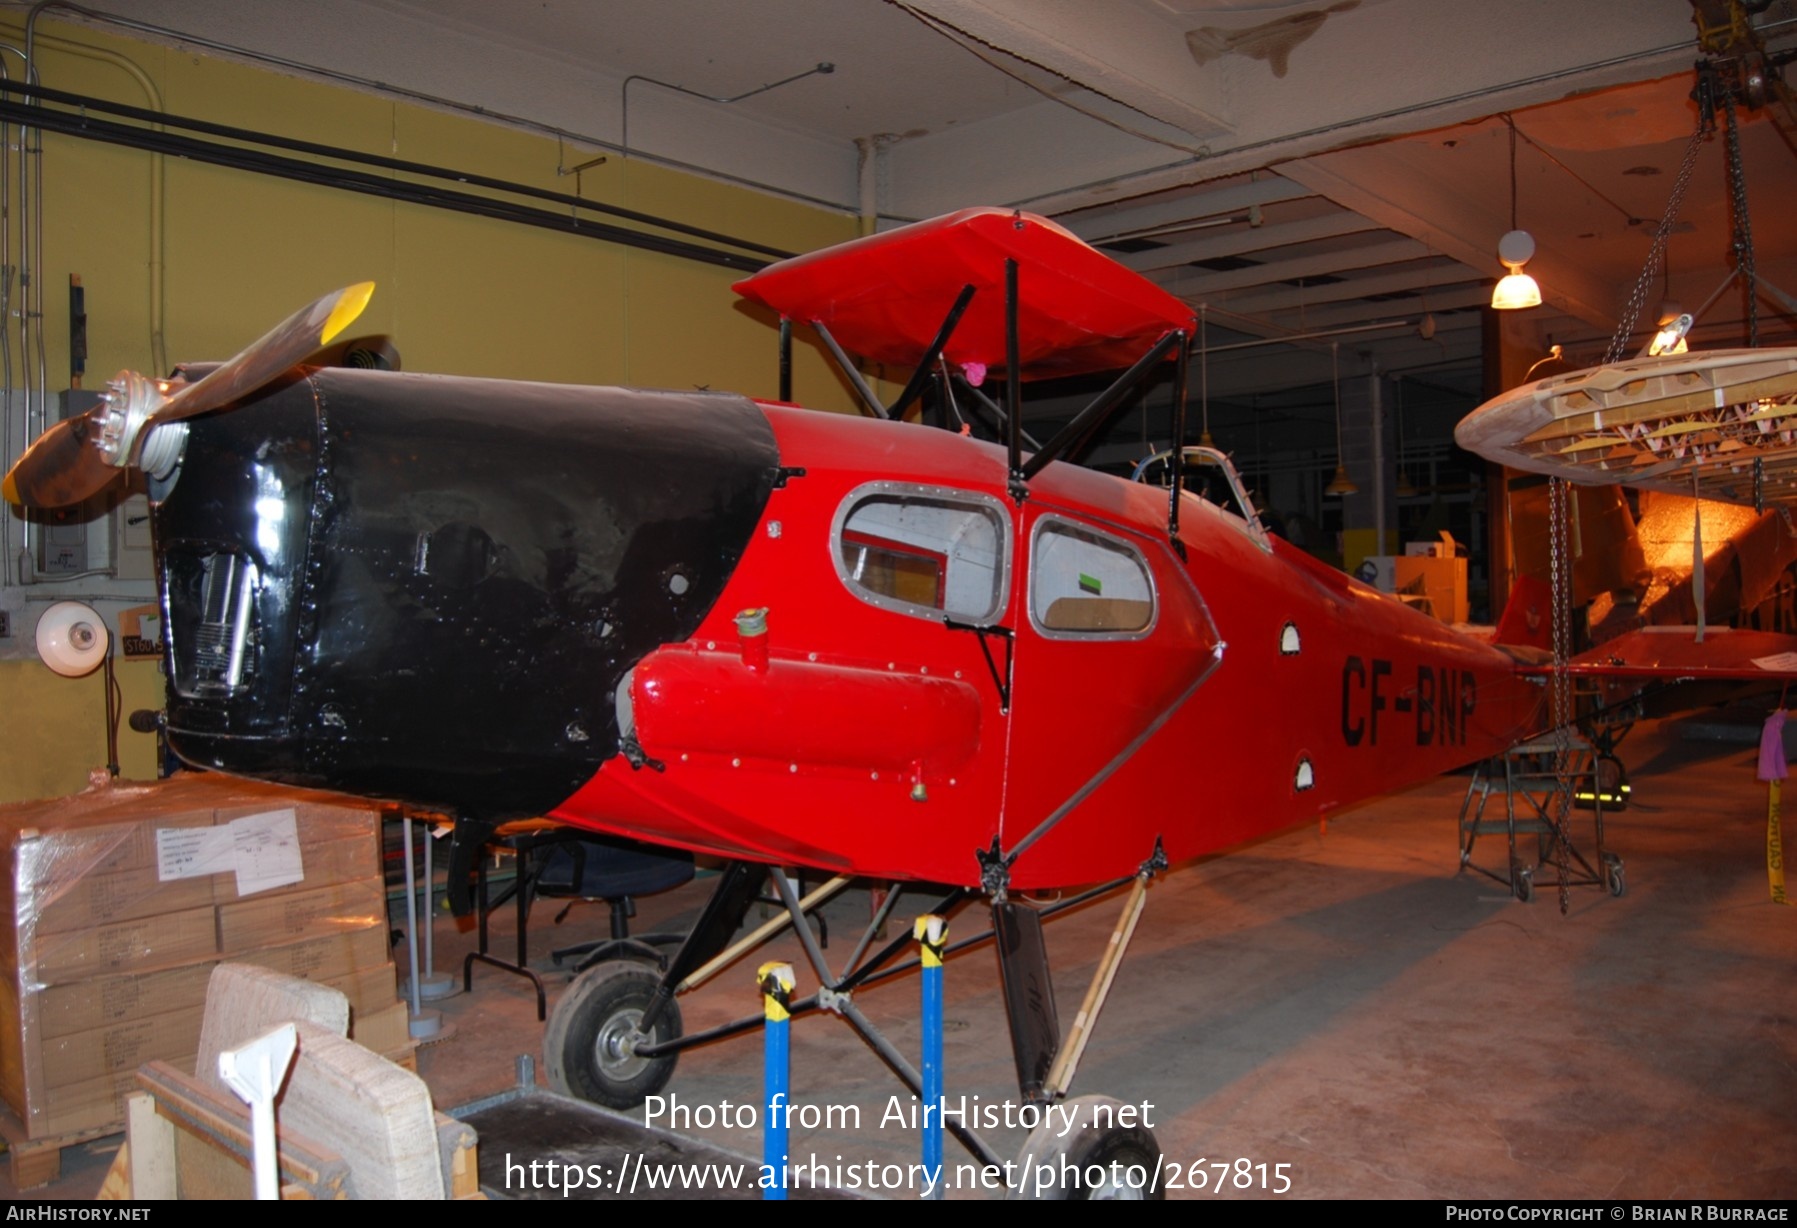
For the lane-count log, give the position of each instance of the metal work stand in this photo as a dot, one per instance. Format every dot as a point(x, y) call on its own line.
point(522, 839)
point(1526, 778)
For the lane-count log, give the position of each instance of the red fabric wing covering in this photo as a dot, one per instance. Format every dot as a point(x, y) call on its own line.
point(1726, 654)
point(884, 297)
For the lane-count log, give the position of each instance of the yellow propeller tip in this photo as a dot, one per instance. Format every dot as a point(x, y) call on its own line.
point(10, 490)
point(349, 305)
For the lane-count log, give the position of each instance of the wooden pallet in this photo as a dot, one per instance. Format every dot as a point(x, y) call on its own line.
point(35, 1162)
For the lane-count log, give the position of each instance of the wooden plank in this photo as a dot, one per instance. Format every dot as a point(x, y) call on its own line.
point(224, 1127)
point(149, 1150)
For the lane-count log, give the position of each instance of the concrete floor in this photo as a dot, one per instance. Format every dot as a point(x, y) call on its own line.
point(1336, 1001)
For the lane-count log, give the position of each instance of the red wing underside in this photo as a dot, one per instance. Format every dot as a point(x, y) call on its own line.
point(885, 296)
point(1674, 654)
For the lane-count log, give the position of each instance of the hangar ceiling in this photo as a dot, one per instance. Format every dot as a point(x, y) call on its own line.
point(1340, 167)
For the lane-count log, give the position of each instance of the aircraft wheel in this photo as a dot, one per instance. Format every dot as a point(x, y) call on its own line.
point(1522, 882)
point(1097, 1159)
point(587, 1049)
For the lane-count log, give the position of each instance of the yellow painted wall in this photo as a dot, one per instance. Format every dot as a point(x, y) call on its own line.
point(53, 729)
point(458, 294)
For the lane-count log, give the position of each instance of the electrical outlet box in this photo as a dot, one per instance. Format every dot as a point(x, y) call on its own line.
point(66, 538)
point(137, 560)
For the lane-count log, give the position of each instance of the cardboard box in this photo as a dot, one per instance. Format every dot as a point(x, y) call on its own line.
point(61, 1009)
point(93, 1104)
point(388, 1032)
point(111, 916)
point(324, 956)
point(122, 896)
point(145, 944)
point(282, 918)
point(368, 989)
point(118, 1047)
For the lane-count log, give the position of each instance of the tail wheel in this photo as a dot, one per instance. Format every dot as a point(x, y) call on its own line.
point(589, 1049)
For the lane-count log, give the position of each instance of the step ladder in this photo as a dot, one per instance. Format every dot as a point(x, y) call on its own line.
point(1532, 792)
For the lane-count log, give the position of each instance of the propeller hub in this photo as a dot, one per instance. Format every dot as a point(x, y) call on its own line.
point(130, 401)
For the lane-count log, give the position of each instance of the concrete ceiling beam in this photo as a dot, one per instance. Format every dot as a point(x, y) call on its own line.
point(1435, 300)
point(1099, 226)
point(1365, 256)
point(1411, 276)
point(1253, 239)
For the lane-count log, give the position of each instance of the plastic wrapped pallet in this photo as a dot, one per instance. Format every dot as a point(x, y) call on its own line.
point(118, 902)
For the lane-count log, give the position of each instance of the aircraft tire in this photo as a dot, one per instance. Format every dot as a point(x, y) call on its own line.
point(583, 1050)
point(1096, 1160)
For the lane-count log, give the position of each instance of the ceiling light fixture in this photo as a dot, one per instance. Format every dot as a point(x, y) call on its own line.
point(1405, 488)
point(1517, 289)
point(1671, 337)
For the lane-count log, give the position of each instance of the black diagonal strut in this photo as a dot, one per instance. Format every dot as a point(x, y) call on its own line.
point(993, 413)
point(922, 374)
point(1179, 449)
point(1094, 416)
point(1013, 388)
point(870, 404)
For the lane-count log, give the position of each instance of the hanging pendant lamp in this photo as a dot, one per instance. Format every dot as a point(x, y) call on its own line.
point(1515, 249)
point(1405, 488)
point(1341, 483)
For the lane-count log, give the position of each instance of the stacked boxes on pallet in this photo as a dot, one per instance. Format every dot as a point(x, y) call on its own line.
point(117, 903)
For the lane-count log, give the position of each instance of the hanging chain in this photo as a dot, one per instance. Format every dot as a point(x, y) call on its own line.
point(1638, 298)
point(1560, 700)
point(1743, 229)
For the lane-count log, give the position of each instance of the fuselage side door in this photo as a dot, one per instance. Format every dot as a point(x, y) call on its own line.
point(1112, 640)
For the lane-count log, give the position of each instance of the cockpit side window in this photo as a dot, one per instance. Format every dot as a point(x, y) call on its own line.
point(923, 551)
point(1087, 583)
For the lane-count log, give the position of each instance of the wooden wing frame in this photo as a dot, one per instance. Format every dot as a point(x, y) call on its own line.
point(1721, 424)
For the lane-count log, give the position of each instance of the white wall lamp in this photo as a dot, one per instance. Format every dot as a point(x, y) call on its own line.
point(73, 641)
point(72, 638)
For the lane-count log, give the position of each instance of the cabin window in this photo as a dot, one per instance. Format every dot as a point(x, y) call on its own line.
point(1087, 583)
point(923, 551)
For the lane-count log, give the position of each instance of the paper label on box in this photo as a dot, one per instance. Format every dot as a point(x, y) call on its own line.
point(192, 852)
point(262, 850)
point(266, 851)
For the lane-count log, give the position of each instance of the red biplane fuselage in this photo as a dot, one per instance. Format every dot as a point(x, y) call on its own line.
point(791, 637)
point(1202, 701)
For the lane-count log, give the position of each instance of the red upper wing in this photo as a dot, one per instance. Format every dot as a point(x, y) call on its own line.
point(883, 297)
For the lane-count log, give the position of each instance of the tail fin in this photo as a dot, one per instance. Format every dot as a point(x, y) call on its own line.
point(1528, 616)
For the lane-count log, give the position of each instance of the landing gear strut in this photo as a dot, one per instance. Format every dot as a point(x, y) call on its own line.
point(615, 1035)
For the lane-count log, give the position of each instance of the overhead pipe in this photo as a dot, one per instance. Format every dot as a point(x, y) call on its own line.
point(433, 100)
point(338, 153)
point(75, 124)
